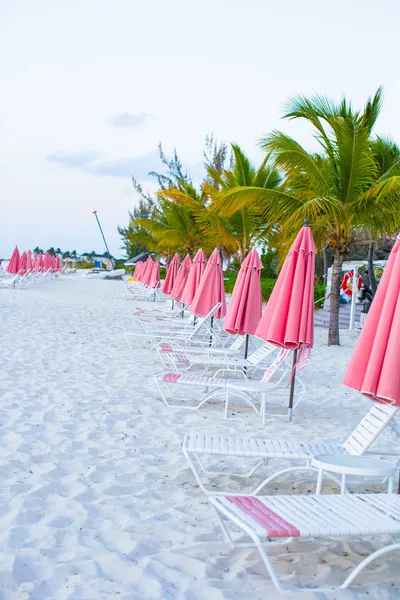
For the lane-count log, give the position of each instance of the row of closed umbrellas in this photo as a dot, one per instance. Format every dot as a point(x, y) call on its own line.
point(31, 262)
point(288, 319)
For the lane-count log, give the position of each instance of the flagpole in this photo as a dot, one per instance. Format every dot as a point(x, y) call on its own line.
point(104, 239)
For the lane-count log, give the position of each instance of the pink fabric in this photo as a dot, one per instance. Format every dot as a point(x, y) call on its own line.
point(13, 265)
point(171, 275)
point(245, 308)
point(58, 263)
point(29, 261)
point(147, 271)
point(137, 270)
point(154, 280)
point(165, 347)
point(195, 275)
point(47, 262)
point(374, 368)
point(273, 524)
point(22, 263)
point(171, 377)
point(39, 262)
point(181, 279)
point(211, 289)
point(288, 319)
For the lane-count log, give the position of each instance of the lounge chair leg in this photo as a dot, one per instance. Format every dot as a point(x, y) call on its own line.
point(366, 562)
point(226, 403)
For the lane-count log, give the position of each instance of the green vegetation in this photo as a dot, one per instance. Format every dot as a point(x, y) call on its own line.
point(349, 190)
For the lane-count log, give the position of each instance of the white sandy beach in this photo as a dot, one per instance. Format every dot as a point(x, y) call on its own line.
point(96, 499)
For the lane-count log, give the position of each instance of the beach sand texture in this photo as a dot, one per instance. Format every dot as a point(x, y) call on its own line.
point(96, 499)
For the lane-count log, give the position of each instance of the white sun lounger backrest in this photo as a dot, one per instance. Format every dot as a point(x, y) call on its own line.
point(204, 320)
point(265, 350)
point(369, 428)
point(238, 343)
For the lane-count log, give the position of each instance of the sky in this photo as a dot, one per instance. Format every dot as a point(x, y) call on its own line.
point(88, 88)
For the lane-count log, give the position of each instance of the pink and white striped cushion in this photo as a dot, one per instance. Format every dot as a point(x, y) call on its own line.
point(264, 516)
point(171, 377)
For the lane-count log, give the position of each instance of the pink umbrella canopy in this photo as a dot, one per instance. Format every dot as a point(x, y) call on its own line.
point(154, 281)
point(374, 366)
point(22, 263)
point(245, 307)
point(13, 265)
point(171, 275)
point(147, 272)
point(211, 289)
point(181, 279)
point(288, 319)
point(136, 272)
point(39, 261)
point(47, 264)
point(29, 261)
point(58, 263)
point(195, 275)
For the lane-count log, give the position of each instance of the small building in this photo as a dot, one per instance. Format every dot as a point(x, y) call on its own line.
point(142, 257)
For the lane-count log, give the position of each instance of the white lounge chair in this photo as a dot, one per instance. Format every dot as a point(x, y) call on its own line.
point(205, 327)
point(197, 447)
point(222, 362)
point(201, 347)
point(169, 383)
point(267, 519)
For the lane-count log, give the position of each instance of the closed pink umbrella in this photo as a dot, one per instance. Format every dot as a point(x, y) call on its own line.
point(29, 261)
point(147, 273)
point(47, 262)
point(181, 278)
point(22, 263)
point(288, 319)
point(195, 275)
point(13, 265)
point(374, 366)
point(154, 281)
point(58, 263)
point(40, 262)
point(136, 272)
point(245, 308)
point(171, 275)
point(211, 289)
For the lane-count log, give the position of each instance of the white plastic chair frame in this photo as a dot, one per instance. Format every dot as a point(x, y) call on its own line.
point(196, 447)
point(174, 381)
point(285, 518)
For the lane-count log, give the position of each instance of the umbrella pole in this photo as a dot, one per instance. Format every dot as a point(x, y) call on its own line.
point(292, 384)
point(172, 304)
point(211, 330)
point(246, 351)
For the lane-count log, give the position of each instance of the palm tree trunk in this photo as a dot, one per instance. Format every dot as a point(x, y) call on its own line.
point(371, 272)
point(325, 259)
point(333, 335)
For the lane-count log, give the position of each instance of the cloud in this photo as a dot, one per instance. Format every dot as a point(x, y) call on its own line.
point(73, 160)
point(130, 119)
point(92, 162)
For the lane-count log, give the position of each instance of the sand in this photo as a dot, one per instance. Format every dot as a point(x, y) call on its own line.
point(96, 499)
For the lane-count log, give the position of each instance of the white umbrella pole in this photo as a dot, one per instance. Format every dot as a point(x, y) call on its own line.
point(353, 298)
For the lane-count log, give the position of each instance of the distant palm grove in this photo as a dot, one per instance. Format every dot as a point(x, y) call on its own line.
point(349, 190)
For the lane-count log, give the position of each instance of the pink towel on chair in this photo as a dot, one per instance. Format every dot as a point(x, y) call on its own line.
point(165, 347)
point(171, 377)
point(274, 525)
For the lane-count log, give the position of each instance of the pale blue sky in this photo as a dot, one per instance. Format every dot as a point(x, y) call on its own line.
point(89, 87)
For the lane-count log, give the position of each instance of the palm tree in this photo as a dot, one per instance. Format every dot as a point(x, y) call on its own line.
point(172, 227)
point(340, 189)
point(237, 233)
point(58, 251)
